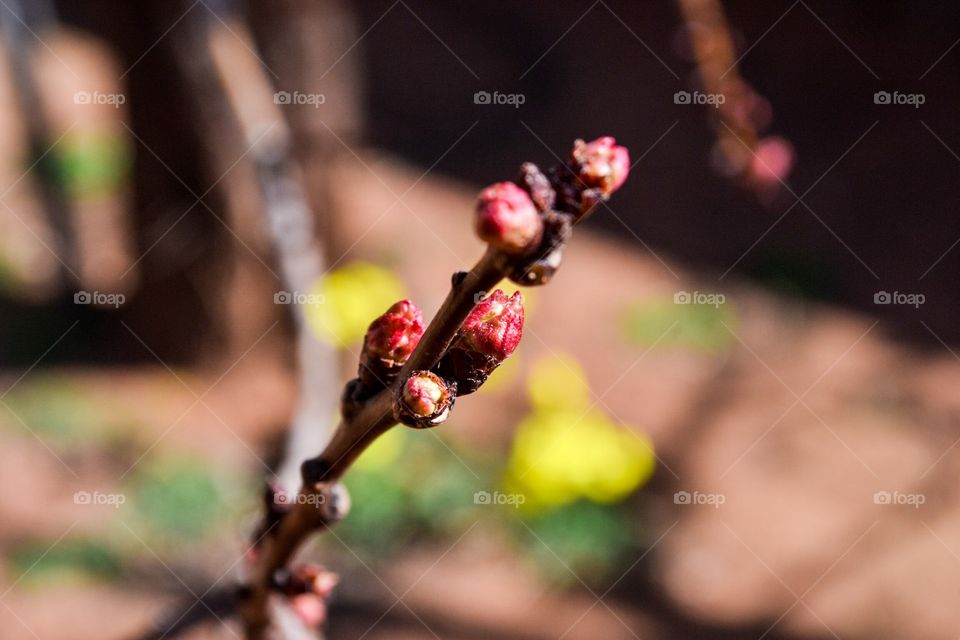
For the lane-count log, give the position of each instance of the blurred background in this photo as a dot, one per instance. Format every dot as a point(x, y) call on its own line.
point(734, 412)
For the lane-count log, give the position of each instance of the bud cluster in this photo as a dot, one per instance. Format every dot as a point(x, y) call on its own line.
point(486, 338)
point(594, 171)
point(307, 578)
point(602, 164)
point(530, 221)
point(526, 224)
point(308, 587)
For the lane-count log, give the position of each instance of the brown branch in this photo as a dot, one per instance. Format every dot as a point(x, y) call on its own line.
point(363, 423)
point(759, 161)
point(548, 207)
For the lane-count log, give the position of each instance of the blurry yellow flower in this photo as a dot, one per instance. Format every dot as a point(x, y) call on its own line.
point(565, 451)
point(561, 456)
point(558, 381)
point(348, 299)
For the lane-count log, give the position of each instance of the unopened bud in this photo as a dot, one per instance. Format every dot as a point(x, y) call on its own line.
point(601, 164)
point(390, 340)
point(425, 400)
point(310, 608)
point(486, 338)
point(307, 578)
point(495, 325)
point(507, 218)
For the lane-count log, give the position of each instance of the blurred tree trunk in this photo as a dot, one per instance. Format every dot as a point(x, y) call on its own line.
point(310, 46)
point(181, 246)
point(304, 47)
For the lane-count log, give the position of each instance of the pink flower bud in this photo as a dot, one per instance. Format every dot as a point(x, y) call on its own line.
point(425, 400)
point(307, 578)
point(311, 578)
point(507, 219)
point(601, 164)
point(310, 608)
point(486, 338)
point(773, 160)
point(495, 325)
point(390, 340)
point(324, 584)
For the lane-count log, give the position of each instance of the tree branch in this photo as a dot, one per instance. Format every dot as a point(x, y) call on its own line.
point(526, 225)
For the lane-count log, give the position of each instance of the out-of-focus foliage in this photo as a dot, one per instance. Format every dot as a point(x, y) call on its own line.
point(698, 327)
point(71, 559)
point(91, 163)
point(345, 300)
point(580, 541)
point(58, 411)
point(178, 496)
point(407, 484)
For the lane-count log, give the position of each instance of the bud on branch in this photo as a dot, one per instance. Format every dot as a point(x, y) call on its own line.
point(412, 375)
point(595, 170)
point(308, 578)
point(507, 218)
point(485, 339)
point(425, 400)
point(601, 164)
point(389, 342)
